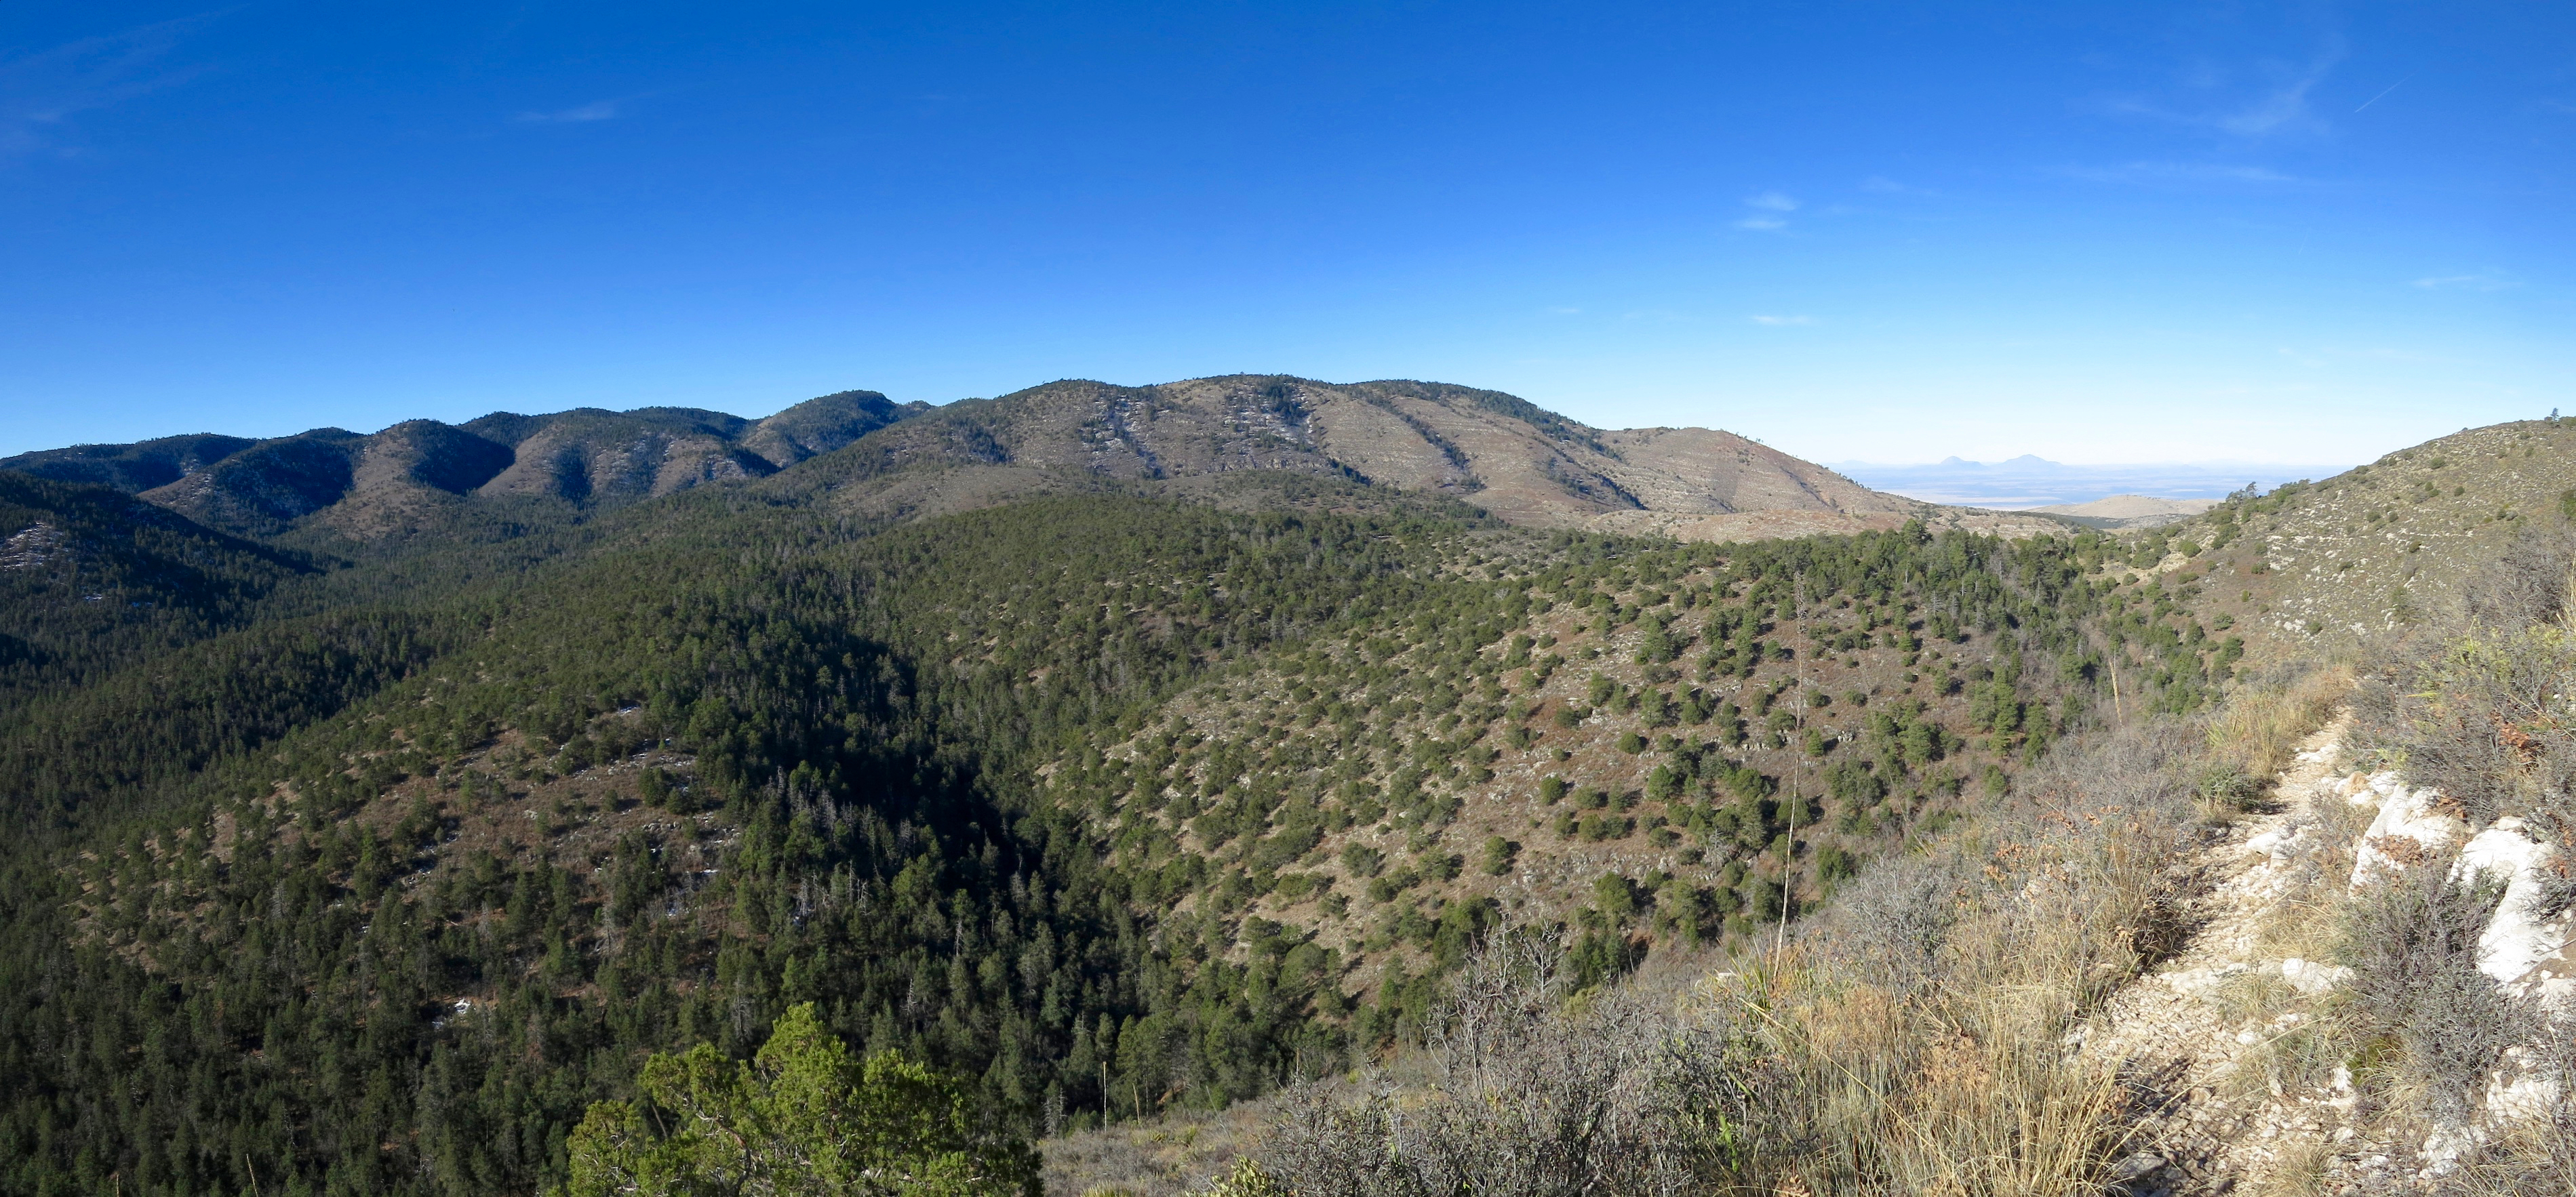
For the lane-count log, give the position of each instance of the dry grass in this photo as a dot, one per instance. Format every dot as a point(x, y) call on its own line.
point(2259, 729)
point(1166, 1157)
point(2301, 1170)
point(1954, 1076)
point(1915, 1039)
point(1968, 1092)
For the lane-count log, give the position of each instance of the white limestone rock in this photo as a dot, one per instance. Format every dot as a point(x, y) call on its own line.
point(2517, 939)
point(2410, 826)
point(2313, 977)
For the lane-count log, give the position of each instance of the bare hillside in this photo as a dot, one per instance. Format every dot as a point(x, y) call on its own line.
point(1525, 465)
point(2370, 550)
point(2129, 511)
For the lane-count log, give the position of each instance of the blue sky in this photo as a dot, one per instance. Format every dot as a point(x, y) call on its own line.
point(2098, 233)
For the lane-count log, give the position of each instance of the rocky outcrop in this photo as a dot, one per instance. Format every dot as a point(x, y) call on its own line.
point(2523, 934)
point(2412, 826)
point(2203, 1027)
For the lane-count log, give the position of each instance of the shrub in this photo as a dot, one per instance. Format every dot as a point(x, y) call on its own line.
point(2412, 942)
point(1616, 896)
point(2225, 792)
point(1245, 1179)
point(800, 1117)
point(1531, 1099)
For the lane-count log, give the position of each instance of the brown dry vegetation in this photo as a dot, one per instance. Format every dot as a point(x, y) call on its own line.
point(2379, 549)
point(1913, 1040)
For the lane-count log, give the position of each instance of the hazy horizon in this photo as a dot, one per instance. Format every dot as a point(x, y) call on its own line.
point(2028, 480)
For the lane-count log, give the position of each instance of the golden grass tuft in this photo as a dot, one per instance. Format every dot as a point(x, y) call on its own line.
point(2259, 729)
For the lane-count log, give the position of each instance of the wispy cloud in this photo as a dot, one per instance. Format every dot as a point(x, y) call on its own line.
point(602, 110)
point(2487, 281)
point(1769, 208)
point(40, 91)
point(1882, 185)
point(2269, 98)
point(2283, 107)
point(2145, 173)
point(1781, 321)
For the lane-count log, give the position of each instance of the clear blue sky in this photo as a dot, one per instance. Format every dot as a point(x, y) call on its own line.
point(2298, 232)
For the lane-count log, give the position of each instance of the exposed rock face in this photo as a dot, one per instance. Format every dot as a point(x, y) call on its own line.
point(2522, 945)
point(2202, 1023)
point(30, 547)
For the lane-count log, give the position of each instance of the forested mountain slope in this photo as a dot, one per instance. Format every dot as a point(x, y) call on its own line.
point(90, 577)
point(348, 864)
point(412, 474)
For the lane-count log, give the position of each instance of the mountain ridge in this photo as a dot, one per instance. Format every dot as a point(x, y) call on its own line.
point(1524, 464)
point(366, 486)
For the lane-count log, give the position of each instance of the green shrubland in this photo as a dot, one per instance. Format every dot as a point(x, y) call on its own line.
point(378, 868)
